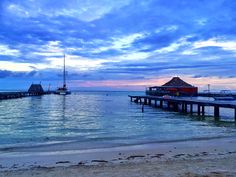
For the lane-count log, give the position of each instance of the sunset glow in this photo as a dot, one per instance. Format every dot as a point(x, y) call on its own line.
point(124, 45)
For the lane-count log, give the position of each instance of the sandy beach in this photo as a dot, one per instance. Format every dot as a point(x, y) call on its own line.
point(214, 157)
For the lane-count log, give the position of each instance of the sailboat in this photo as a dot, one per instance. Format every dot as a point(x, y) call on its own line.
point(63, 90)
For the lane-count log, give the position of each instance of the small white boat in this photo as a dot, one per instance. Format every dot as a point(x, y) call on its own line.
point(63, 90)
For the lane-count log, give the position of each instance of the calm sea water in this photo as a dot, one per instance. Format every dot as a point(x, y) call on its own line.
point(85, 120)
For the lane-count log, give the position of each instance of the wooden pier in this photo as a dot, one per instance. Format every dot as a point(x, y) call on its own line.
point(14, 95)
point(184, 105)
point(34, 90)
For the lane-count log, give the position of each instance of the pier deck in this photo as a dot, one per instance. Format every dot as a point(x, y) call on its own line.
point(184, 104)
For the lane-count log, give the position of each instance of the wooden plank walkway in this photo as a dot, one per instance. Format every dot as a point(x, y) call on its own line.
point(184, 104)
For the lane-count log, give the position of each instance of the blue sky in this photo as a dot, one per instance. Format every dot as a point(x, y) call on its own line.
point(117, 45)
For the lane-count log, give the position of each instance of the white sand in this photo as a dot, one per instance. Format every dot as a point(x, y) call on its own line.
point(216, 157)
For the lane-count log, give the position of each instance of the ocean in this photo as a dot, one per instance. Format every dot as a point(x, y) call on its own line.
point(88, 120)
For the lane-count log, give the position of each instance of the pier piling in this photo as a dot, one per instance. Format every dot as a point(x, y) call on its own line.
point(191, 109)
point(161, 103)
point(149, 102)
point(203, 110)
point(216, 112)
point(145, 101)
point(176, 107)
point(235, 114)
point(168, 105)
point(198, 110)
point(186, 108)
point(183, 107)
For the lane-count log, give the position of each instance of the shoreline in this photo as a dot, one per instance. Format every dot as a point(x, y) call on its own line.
point(157, 154)
point(72, 145)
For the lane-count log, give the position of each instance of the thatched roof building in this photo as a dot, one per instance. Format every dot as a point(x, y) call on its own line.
point(36, 89)
point(174, 87)
point(176, 82)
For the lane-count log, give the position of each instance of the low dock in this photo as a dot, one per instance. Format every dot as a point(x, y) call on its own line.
point(14, 95)
point(34, 90)
point(184, 105)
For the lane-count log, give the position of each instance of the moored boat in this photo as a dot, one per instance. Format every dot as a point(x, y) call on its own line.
point(63, 90)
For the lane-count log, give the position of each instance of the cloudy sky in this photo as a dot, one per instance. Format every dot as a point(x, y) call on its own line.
point(117, 44)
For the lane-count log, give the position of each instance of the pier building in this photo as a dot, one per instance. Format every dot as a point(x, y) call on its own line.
point(175, 87)
point(36, 89)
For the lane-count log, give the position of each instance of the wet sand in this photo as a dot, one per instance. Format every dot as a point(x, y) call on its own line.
point(215, 157)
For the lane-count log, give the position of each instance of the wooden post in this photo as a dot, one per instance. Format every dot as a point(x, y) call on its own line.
point(145, 101)
point(161, 103)
point(182, 107)
point(216, 112)
point(176, 107)
point(199, 109)
point(168, 104)
point(131, 99)
point(149, 101)
point(191, 108)
point(235, 114)
point(186, 108)
point(203, 110)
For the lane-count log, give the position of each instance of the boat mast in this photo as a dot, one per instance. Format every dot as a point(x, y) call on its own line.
point(64, 72)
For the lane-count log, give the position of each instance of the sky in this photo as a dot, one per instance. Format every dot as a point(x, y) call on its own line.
point(119, 44)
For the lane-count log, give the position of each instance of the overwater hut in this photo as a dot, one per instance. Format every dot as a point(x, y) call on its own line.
point(175, 87)
point(36, 89)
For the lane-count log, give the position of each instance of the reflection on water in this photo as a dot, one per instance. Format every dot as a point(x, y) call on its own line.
point(95, 119)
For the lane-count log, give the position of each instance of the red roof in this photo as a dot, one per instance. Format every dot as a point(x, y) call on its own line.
point(176, 82)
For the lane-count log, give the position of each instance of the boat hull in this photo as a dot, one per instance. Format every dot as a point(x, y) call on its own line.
point(63, 92)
